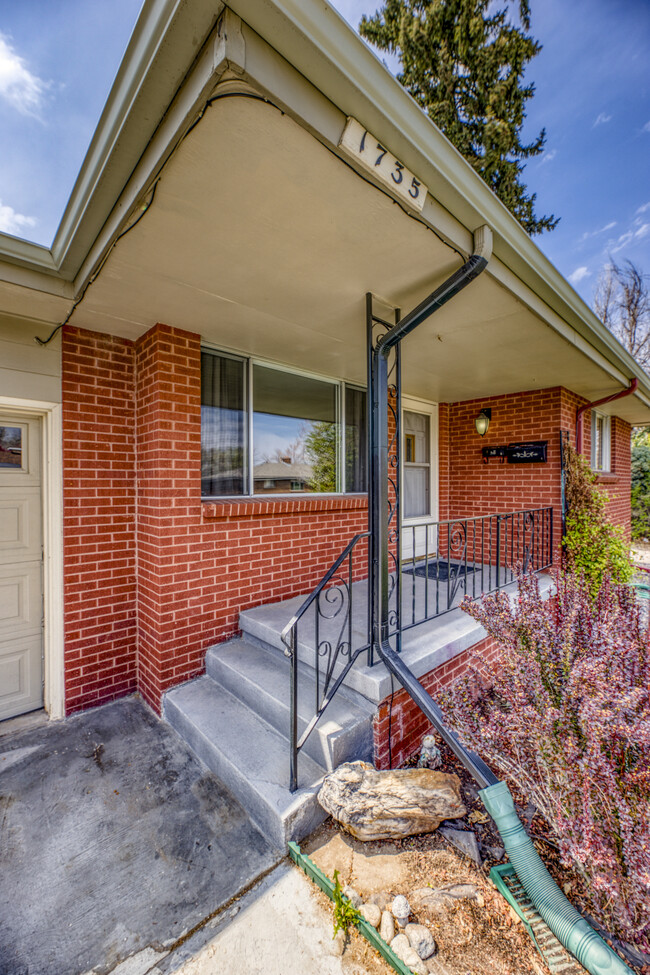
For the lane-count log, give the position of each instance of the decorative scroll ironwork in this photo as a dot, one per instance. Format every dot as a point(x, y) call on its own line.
point(389, 400)
point(446, 560)
point(328, 612)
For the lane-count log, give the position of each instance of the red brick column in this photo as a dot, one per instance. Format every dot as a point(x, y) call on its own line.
point(99, 518)
point(168, 423)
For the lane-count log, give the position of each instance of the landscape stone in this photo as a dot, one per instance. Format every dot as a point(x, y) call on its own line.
point(421, 940)
point(437, 901)
point(371, 913)
point(387, 926)
point(401, 910)
point(382, 899)
point(352, 896)
point(464, 840)
point(402, 948)
point(375, 805)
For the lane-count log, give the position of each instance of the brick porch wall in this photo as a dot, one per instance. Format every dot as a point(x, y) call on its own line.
point(399, 725)
point(154, 575)
point(99, 518)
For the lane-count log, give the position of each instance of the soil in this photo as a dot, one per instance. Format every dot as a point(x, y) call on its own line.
point(472, 940)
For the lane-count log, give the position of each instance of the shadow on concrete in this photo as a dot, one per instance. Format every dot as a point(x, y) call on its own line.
point(114, 842)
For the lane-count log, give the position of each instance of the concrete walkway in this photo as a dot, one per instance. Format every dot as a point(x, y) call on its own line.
point(115, 845)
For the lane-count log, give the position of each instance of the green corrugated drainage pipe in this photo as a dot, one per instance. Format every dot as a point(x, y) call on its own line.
point(566, 923)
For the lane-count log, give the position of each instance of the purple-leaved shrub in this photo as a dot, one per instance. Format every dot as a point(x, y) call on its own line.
point(564, 715)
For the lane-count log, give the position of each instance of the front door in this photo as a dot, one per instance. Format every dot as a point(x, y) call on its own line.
point(21, 566)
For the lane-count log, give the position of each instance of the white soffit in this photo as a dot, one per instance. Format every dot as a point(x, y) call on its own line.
point(264, 242)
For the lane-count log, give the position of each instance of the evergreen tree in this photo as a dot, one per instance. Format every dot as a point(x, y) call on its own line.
point(463, 62)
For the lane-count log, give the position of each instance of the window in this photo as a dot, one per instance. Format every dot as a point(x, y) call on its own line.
point(417, 464)
point(266, 430)
point(600, 442)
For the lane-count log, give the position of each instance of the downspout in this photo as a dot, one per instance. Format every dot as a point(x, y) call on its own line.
point(566, 923)
point(379, 385)
point(634, 382)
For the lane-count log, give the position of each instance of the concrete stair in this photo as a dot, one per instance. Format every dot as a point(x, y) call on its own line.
point(236, 719)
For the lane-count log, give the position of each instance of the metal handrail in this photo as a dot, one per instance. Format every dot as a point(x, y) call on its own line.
point(300, 612)
point(338, 595)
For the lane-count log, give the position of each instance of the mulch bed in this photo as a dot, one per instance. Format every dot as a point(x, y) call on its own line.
point(538, 829)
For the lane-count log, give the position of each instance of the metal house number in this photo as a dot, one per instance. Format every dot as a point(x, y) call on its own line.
point(378, 160)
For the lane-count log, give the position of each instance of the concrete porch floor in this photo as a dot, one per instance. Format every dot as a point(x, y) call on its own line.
point(425, 646)
point(116, 843)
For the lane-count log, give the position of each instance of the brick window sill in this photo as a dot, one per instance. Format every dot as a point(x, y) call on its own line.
point(231, 508)
point(607, 478)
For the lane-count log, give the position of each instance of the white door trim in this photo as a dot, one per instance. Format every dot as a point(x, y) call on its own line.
point(52, 495)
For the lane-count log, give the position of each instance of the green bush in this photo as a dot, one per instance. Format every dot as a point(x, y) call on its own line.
point(593, 547)
point(641, 485)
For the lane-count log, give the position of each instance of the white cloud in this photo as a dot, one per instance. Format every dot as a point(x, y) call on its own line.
point(646, 127)
point(579, 274)
point(548, 157)
point(12, 222)
point(601, 230)
point(646, 206)
point(18, 86)
point(602, 119)
point(642, 231)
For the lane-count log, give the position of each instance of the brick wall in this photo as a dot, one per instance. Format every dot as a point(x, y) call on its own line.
point(99, 518)
point(399, 725)
point(154, 576)
point(198, 564)
point(617, 483)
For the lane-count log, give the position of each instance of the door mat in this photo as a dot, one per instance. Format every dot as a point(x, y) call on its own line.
point(440, 569)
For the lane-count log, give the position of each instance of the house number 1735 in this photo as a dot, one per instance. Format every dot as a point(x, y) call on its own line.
point(377, 159)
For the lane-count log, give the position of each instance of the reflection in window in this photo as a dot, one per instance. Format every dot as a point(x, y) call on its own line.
point(356, 440)
point(11, 447)
point(308, 435)
point(600, 442)
point(294, 432)
point(417, 470)
point(223, 428)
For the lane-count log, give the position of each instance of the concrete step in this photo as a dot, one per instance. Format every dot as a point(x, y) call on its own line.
point(259, 676)
point(249, 756)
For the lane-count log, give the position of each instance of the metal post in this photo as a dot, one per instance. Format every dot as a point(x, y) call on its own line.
point(379, 488)
point(293, 691)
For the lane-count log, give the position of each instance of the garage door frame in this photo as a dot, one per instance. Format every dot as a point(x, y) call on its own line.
point(52, 502)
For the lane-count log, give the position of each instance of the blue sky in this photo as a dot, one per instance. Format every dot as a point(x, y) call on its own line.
point(58, 61)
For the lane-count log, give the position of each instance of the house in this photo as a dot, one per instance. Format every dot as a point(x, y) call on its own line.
point(260, 203)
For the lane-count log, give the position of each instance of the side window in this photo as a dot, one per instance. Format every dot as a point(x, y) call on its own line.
point(601, 450)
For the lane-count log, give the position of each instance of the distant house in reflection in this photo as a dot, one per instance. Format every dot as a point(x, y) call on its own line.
point(281, 477)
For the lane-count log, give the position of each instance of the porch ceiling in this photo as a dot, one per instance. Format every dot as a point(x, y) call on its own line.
point(265, 242)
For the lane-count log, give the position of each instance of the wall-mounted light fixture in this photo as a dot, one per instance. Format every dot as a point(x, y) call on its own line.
point(482, 422)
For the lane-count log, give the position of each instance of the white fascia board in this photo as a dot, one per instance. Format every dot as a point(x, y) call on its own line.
point(15, 250)
point(166, 40)
point(318, 42)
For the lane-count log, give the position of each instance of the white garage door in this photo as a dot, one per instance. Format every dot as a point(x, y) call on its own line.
point(21, 567)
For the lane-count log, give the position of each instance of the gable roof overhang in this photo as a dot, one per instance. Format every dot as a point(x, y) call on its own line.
point(303, 55)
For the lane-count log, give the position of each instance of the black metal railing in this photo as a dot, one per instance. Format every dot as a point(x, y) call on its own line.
point(331, 642)
point(446, 560)
point(440, 563)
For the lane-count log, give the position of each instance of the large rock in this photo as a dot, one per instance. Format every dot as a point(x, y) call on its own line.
point(376, 805)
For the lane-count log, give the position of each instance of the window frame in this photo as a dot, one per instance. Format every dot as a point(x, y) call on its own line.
point(606, 466)
point(340, 385)
point(430, 409)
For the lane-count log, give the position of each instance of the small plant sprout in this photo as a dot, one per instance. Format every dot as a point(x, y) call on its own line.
point(345, 913)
